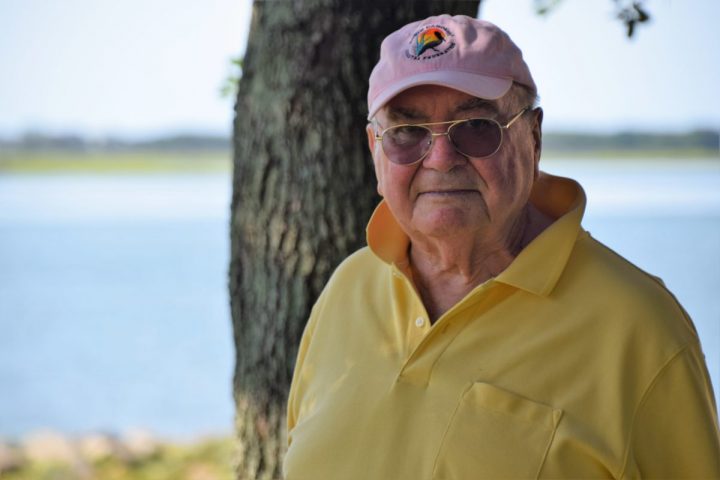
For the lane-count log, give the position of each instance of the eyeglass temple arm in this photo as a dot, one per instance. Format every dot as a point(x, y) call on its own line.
point(515, 118)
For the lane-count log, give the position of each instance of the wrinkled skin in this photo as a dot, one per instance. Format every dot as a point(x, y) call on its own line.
point(467, 218)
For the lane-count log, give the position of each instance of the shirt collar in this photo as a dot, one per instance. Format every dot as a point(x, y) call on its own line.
point(538, 266)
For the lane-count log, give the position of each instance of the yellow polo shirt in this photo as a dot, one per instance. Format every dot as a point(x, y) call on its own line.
point(572, 363)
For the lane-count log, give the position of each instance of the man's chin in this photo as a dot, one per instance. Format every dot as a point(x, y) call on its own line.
point(444, 220)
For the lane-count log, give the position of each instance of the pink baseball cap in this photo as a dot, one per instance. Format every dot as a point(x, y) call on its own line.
point(460, 52)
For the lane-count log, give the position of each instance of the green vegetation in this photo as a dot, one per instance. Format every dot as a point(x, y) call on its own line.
point(54, 161)
point(632, 154)
point(207, 460)
point(35, 153)
point(695, 144)
point(151, 162)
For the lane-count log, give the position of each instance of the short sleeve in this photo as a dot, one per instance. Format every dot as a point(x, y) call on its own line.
point(675, 429)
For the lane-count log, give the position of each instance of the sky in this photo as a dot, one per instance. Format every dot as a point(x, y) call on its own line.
point(142, 68)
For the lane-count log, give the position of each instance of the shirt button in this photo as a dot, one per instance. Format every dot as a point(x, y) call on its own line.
point(419, 322)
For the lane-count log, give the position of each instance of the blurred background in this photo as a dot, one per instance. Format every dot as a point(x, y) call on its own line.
point(115, 182)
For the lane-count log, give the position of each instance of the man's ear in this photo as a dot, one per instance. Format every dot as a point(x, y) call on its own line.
point(537, 137)
point(374, 146)
point(371, 138)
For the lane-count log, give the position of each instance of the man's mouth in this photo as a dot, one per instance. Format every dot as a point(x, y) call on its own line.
point(450, 192)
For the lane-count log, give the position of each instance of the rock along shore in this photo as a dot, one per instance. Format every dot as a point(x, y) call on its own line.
point(80, 454)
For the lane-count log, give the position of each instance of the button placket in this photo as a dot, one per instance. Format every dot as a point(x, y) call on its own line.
point(434, 341)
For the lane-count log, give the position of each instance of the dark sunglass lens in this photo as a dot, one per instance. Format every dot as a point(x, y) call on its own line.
point(477, 137)
point(406, 144)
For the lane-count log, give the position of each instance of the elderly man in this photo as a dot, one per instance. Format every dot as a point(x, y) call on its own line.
point(483, 333)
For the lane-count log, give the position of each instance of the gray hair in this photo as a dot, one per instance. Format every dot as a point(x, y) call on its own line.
point(521, 96)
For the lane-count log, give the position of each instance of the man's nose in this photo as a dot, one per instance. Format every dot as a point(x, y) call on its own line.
point(443, 155)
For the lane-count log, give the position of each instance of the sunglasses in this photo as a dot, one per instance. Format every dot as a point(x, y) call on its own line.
point(473, 137)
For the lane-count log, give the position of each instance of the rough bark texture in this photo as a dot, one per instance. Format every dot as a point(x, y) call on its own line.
point(303, 188)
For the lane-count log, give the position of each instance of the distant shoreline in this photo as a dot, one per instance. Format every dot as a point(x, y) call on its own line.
point(220, 161)
point(36, 152)
point(148, 161)
point(634, 154)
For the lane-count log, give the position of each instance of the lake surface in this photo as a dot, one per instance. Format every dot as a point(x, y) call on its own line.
point(113, 297)
point(113, 304)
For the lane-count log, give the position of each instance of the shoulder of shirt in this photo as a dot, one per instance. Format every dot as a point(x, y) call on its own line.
point(358, 270)
point(354, 286)
point(362, 265)
point(633, 295)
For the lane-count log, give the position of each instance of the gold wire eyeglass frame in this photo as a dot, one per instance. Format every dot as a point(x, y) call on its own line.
point(450, 124)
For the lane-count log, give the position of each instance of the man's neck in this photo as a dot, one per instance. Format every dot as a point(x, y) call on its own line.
point(445, 270)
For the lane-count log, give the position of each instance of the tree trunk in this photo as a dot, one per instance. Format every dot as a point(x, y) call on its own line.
point(303, 188)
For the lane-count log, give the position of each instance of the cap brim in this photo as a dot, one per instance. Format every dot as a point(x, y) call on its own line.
point(489, 88)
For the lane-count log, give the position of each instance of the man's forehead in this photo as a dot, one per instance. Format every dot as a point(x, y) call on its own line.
point(419, 105)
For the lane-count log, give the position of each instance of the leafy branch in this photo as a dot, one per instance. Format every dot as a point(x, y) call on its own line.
point(229, 86)
point(631, 13)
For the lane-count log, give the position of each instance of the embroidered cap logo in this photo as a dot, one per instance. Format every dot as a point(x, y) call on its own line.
point(429, 42)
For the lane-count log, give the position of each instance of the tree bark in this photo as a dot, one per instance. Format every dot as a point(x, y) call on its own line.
point(303, 188)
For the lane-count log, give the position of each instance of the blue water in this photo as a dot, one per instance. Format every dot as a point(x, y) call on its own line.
point(113, 304)
point(113, 298)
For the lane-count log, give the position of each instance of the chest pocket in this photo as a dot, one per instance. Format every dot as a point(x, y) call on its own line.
point(495, 434)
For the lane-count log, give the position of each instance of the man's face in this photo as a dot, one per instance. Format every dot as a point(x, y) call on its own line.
point(447, 193)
